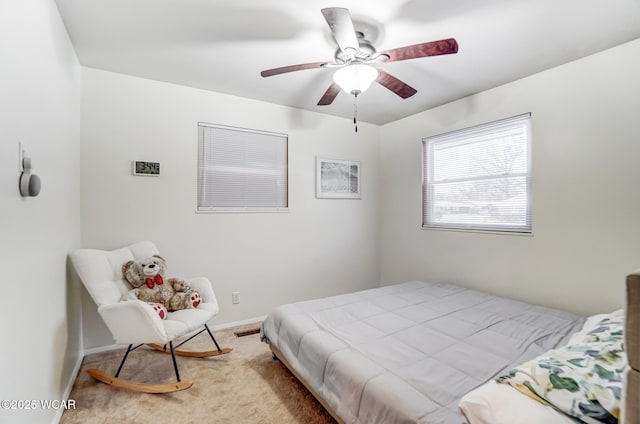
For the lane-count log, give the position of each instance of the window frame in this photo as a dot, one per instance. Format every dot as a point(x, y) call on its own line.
point(241, 208)
point(427, 178)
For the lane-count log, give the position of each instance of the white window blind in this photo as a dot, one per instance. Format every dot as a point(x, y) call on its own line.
point(479, 178)
point(241, 169)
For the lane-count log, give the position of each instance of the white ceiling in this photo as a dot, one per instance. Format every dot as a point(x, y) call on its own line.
point(222, 46)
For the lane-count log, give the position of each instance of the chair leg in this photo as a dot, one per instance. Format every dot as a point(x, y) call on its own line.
point(129, 349)
point(175, 364)
point(212, 338)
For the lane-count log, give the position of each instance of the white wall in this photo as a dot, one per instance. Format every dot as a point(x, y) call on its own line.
point(40, 107)
point(586, 201)
point(320, 247)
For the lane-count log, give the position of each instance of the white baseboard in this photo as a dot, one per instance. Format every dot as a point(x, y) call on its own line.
point(67, 391)
point(101, 349)
point(238, 323)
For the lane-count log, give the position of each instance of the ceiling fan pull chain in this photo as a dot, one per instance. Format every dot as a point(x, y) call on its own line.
point(355, 110)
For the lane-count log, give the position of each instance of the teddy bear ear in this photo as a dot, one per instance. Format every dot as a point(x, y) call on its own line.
point(130, 274)
point(159, 257)
point(126, 266)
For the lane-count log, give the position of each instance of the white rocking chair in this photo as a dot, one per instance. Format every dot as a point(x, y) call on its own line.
point(134, 322)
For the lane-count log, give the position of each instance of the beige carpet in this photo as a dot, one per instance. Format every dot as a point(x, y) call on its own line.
point(245, 386)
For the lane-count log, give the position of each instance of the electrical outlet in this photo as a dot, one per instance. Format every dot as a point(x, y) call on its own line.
point(235, 298)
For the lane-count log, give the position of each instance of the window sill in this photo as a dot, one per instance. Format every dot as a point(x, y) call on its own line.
point(472, 230)
point(275, 210)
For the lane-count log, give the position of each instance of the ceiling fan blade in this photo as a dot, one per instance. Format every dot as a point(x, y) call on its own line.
point(339, 21)
point(329, 95)
point(431, 48)
point(394, 84)
point(292, 68)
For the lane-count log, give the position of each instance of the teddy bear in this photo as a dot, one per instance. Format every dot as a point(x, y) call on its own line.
point(151, 286)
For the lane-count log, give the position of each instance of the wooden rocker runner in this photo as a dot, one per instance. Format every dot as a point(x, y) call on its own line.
point(136, 323)
point(138, 387)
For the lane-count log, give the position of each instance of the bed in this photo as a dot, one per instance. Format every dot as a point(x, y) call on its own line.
point(430, 353)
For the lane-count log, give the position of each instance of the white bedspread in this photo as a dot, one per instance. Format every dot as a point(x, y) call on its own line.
point(407, 353)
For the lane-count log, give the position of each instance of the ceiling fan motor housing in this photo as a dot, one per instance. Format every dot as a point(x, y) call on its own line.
point(365, 51)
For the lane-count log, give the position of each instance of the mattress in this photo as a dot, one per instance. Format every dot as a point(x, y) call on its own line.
point(407, 353)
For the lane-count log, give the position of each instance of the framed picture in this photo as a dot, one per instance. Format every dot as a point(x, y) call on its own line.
point(337, 179)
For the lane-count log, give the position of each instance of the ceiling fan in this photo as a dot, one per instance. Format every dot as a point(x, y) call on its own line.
point(355, 55)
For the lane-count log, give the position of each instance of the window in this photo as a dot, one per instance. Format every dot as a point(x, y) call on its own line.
point(241, 169)
point(479, 178)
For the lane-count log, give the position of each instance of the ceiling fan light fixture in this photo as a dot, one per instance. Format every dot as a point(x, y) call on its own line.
point(355, 78)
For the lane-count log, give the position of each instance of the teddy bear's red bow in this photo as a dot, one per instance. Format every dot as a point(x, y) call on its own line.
point(153, 281)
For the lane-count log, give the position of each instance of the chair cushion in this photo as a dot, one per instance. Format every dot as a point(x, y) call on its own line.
point(184, 321)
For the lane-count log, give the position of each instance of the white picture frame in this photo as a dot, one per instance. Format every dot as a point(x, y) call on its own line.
point(337, 179)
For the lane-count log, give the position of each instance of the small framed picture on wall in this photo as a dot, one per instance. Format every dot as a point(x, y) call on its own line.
point(337, 179)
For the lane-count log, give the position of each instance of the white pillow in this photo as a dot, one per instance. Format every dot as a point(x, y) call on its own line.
point(494, 403)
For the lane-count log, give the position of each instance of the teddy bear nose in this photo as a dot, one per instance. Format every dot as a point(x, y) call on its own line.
point(152, 266)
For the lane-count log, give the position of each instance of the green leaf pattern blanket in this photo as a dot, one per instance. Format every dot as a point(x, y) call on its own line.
point(583, 379)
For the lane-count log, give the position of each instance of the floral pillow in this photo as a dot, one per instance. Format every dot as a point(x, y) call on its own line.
point(595, 322)
point(582, 380)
